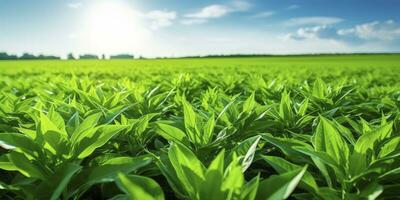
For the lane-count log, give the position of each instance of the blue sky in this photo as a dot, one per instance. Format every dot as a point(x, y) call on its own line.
point(180, 28)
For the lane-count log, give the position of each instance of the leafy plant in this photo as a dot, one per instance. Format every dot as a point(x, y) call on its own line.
point(299, 127)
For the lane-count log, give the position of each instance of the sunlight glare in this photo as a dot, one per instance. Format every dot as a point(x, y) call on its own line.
point(113, 26)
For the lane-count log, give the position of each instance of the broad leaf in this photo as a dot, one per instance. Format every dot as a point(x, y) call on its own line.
point(280, 186)
point(140, 187)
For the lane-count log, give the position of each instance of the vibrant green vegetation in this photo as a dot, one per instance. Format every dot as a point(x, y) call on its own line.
point(232, 128)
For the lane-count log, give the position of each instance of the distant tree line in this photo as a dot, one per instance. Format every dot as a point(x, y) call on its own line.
point(28, 56)
point(278, 55)
point(5, 56)
point(96, 57)
point(122, 56)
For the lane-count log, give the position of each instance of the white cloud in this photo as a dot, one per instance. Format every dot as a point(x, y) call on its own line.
point(316, 32)
point(293, 7)
point(193, 21)
point(264, 14)
point(212, 11)
point(246, 41)
point(160, 18)
point(388, 30)
point(317, 20)
point(215, 11)
point(240, 5)
point(75, 5)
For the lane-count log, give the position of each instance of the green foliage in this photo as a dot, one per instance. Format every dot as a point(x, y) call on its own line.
point(139, 187)
point(251, 128)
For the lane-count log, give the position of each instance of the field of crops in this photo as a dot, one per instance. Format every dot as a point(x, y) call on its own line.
point(304, 127)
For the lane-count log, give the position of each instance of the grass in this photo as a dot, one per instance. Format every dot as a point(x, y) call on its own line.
point(342, 61)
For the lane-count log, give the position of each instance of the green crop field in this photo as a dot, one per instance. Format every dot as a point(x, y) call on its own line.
point(297, 127)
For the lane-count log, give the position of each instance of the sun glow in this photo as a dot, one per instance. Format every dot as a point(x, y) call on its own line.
point(115, 27)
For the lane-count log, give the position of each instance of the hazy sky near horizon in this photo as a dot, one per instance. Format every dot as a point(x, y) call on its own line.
point(181, 28)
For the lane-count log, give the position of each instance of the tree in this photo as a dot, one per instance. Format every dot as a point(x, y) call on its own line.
point(5, 56)
point(122, 56)
point(71, 56)
point(88, 56)
point(27, 56)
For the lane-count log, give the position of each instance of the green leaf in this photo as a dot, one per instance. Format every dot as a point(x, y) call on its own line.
point(88, 123)
point(6, 164)
point(234, 178)
point(107, 172)
point(141, 124)
point(139, 187)
point(285, 107)
point(280, 186)
point(366, 148)
point(328, 193)
point(250, 189)
point(190, 120)
point(169, 172)
point(319, 156)
point(212, 186)
point(57, 120)
point(372, 191)
point(89, 143)
point(328, 139)
point(47, 125)
point(208, 130)
point(22, 142)
point(110, 115)
point(346, 133)
point(389, 147)
point(365, 126)
point(120, 197)
point(172, 133)
point(392, 174)
point(73, 123)
point(369, 139)
point(54, 186)
point(25, 166)
point(245, 150)
point(303, 108)
point(282, 166)
point(249, 104)
point(319, 88)
point(189, 170)
point(217, 164)
point(287, 145)
point(55, 143)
